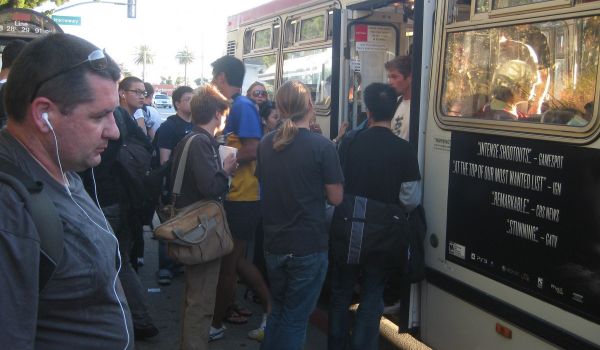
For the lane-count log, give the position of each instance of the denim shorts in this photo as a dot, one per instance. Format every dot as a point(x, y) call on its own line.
point(243, 219)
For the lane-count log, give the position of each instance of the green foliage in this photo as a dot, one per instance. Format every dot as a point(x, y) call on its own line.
point(143, 56)
point(312, 28)
point(166, 80)
point(27, 4)
point(124, 71)
point(184, 57)
point(201, 81)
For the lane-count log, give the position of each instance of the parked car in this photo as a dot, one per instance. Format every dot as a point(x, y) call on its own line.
point(161, 101)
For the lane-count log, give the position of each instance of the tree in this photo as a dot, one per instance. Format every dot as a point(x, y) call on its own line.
point(166, 80)
point(201, 81)
point(27, 4)
point(180, 81)
point(124, 71)
point(143, 56)
point(185, 57)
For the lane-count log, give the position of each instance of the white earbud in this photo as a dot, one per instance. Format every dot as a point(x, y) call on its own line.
point(45, 118)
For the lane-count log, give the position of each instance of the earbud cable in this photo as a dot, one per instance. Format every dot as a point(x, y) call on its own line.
point(107, 230)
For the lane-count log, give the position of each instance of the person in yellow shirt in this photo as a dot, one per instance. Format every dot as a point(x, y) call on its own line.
point(242, 205)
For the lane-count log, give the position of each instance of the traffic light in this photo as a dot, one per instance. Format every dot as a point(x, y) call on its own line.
point(131, 8)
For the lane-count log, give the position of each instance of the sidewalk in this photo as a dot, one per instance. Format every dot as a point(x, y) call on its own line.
point(165, 309)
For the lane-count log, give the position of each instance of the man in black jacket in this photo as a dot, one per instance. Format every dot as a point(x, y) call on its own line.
point(115, 200)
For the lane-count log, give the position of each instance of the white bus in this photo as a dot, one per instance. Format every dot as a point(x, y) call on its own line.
point(504, 117)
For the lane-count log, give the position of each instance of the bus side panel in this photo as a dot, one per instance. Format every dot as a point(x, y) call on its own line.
point(449, 318)
point(452, 323)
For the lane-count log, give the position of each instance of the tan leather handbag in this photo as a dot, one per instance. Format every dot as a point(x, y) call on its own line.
point(197, 233)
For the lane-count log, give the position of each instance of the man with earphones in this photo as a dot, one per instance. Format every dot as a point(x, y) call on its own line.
point(60, 98)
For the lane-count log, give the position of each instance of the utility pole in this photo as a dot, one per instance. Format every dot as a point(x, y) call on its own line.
point(131, 6)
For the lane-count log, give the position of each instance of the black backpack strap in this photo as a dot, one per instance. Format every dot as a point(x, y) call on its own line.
point(44, 215)
point(347, 141)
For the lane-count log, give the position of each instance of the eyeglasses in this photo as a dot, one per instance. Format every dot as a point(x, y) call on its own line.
point(139, 92)
point(257, 93)
point(96, 58)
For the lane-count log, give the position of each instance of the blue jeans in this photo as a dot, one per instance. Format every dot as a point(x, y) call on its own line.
point(296, 283)
point(365, 333)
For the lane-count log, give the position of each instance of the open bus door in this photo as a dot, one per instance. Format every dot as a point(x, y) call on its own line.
point(371, 37)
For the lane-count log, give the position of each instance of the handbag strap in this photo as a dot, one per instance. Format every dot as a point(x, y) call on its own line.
point(181, 166)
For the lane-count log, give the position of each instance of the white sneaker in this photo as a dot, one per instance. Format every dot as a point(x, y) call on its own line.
point(216, 333)
point(257, 334)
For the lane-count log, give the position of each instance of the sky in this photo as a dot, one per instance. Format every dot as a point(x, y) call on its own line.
point(167, 26)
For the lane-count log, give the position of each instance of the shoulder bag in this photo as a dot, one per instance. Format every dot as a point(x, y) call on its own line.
point(197, 233)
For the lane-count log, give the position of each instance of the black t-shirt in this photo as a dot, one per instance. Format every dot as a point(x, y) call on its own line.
point(377, 163)
point(293, 192)
point(171, 132)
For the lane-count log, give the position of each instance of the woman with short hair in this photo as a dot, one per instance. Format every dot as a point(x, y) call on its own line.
point(205, 177)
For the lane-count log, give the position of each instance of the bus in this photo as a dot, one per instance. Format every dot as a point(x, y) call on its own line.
point(504, 119)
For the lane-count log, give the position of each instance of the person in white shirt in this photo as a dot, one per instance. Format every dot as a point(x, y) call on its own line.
point(150, 115)
point(399, 76)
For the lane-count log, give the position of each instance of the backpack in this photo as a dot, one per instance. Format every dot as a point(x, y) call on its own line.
point(135, 158)
point(415, 225)
point(367, 231)
point(43, 213)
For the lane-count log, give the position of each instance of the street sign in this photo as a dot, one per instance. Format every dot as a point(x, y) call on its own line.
point(67, 20)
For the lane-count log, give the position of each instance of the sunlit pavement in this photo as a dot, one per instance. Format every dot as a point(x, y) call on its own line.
point(165, 309)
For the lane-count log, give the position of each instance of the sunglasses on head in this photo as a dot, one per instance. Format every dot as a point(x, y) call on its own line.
point(97, 60)
point(257, 93)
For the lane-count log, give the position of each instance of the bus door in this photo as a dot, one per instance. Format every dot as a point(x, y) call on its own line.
point(372, 38)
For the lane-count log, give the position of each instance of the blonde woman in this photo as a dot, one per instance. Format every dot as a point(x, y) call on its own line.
point(298, 170)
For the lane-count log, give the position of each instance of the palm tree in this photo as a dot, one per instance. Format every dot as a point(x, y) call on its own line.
point(185, 57)
point(143, 56)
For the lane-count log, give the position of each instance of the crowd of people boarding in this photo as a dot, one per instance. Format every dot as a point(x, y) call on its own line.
point(69, 115)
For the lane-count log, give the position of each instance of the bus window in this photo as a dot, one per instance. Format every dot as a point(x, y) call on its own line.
point(482, 6)
point(312, 28)
point(532, 73)
point(313, 68)
point(262, 39)
point(304, 29)
point(289, 34)
point(329, 25)
point(460, 10)
point(501, 4)
point(248, 41)
point(261, 68)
